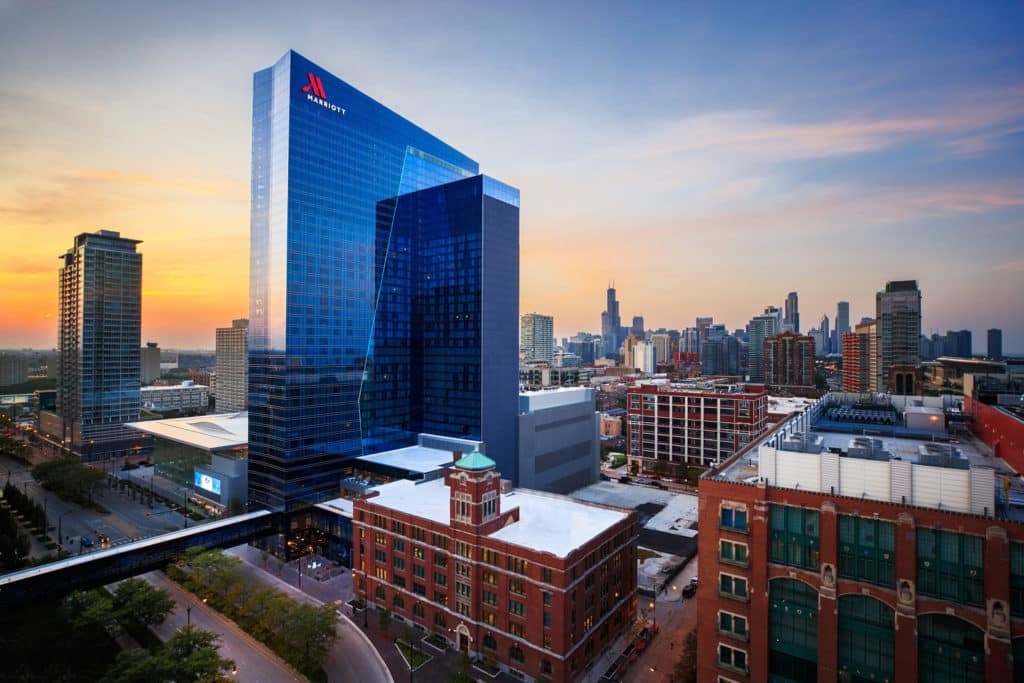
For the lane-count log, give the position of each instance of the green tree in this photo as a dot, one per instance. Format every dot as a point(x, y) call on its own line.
point(138, 603)
point(134, 666)
point(92, 608)
point(191, 655)
point(686, 668)
point(311, 631)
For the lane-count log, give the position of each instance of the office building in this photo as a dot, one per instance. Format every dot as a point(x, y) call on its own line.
point(701, 326)
point(539, 583)
point(537, 337)
point(721, 353)
point(842, 321)
point(791, 319)
point(611, 325)
point(233, 367)
point(760, 328)
point(857, 362)
point(661, 342)
point(13, 368)
point(898, 331)
point(957, 343)
point(789, 362)
point(995, 344)
point(98, 342)
point(859, 558)
point(694, 423)
point(186, 397)
point(384, 269)
point(535, 375)
point(149, 358)
point(585, 346)
point(558, 439)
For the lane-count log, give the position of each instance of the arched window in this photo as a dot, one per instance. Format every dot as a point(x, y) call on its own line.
point(490, 643)
point(792, 631)
point(515, 654)
point(949, 649)
point(866, 639)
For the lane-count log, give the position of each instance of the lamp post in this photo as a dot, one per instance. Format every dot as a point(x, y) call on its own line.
point(60, 528)
point(188, 615)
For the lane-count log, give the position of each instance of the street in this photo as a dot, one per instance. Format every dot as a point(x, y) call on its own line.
point(256, 663)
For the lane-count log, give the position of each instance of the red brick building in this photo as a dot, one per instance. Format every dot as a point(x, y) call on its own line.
point(856, 362)
point(698, 423)
point(799, 584)
point(789, 361)
point(539, 583)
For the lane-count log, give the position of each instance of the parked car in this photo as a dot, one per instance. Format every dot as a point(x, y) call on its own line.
point(689, 590)
point(626, 480)
point(86, 542)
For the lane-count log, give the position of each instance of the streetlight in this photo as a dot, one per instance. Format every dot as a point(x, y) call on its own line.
point(188, 615)
point(60, 528)
point(654, 615)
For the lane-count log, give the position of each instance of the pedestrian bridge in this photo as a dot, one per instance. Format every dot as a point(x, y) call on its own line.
point(101, 567)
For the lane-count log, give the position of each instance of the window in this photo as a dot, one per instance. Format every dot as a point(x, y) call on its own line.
point(417, 610)
point(398, 544)
point(489, 577)
point(867, 638)
point(794, 536)
point(518, 565)
point(547, 619)
point(490, 557)
point(439, 541)
point(398, 580)
point(440, 598)
point(419, 589)
point(517, 586)
point(1017, 579)
point(418, 535)
point(547, 575)
point(440, 579)
point(792, 630)
point(397, 601)
point(515, 628)
point(547, 640)
point(463, 589)
point(547, 597)
point(866, 550)
point(380, 521)
point(515, 654)
point(950, 566)
point(382, 539)
point(419, 570)
point(490, 643)
point(732, 658)
point(463, 549)
point(462, 507)
point(463, 609)
point(588, 622)
point(398, 563)
point(733, 553)
point(380, 556)
point(440, 560)
point(382, 573)
point(418, 553)
point(732, 586)
point(398, 527)
point(517, 608)
point(489, 597)
point(439, 620)
point(490, 500)
point(734, 519)
point(732, 625)
point(379, 592)
point(545, 667)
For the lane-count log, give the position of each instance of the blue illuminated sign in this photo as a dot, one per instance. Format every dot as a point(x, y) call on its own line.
point(207, 483)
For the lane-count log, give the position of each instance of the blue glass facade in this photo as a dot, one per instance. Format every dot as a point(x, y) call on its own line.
point(330, 167)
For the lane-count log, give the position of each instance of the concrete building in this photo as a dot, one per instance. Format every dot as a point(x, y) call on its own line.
point(558, 439)
point(644, 357)
point(857, 362)
point(186, 396)
point(789, 362)
point(539, 374)
point(694, 423)
point(13, 368)
point(831, 556)
point(539, 583)
point(150, 360)
point(995, 344)
point(233, 367)
point(98, 341)
point(898, 331)
point(537, 337)
point(661, 347)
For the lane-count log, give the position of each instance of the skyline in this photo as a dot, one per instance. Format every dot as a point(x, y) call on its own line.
point(665, 165)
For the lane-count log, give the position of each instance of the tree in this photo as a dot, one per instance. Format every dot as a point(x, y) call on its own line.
point(191, 655)
point(137, 602)
point(92, 608)
point(133, 666)
point(686, 668)
point(311, 631)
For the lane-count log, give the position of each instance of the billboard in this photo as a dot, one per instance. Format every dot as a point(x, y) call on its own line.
point(207, 483)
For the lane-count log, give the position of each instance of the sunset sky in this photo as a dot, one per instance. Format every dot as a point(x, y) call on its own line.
point(708, 157)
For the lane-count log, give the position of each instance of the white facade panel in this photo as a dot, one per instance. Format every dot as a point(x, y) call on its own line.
point(902, 481)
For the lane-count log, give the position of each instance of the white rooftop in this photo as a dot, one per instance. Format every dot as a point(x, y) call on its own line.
point(552, 398)
point(342, 505)
point(209, 432)
point(547, 523)
point(412, 458)
point(788, 404)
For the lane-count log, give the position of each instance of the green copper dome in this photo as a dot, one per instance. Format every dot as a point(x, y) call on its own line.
point(475, 461)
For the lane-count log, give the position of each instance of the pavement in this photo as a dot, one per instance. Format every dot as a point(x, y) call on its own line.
point(256, 663)
point(352, 657)
point(676, 617)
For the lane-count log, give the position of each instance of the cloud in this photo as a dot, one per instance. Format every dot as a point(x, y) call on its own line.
point(190, 185)
point(1009, 267)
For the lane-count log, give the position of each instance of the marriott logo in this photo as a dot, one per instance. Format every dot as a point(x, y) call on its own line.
point(315, 93)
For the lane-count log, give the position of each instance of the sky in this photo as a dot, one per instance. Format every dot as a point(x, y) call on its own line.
point(707, 157)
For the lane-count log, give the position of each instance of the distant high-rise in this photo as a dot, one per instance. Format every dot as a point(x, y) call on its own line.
point(701, 326)
point(898, 318)
point(661, 345)
point(789, 361)
point(638, 326)
point(537, 337)
point(721, 352)
point(870, 330)
point(857, 361)
point(791, 320)
point(958, 343)
point(99, 333)
point(995, 344)
point(13, 368)
point(842, 319)
point(233, 367)
point(761, 327)
point(611, 325)
point(150, 359)
point(644, 357)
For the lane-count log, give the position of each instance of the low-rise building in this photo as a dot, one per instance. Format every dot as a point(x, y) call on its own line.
point(539, 583)
point(558, 439)
point(186, 396)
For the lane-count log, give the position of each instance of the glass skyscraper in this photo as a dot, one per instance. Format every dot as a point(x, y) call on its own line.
point(98, 343)
point(384, 288)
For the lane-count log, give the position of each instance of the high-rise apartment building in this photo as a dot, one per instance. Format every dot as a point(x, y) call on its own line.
point(995, 344)
point(870, 329)
point(99, 332)
point(233, 367)
point(789, 361)
point(384, 269)
point(898, 318)
point(644, 357)
point(791, 319)
point(761, 327)
point(149, 356)
point(702, 324)
point(611, 325)
point(537, 337)
point(842, 321)
point(958, 343)
point(13, 368)
point(661, 343)
point(721, 352)
point(700, 423)
point(857, 362)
